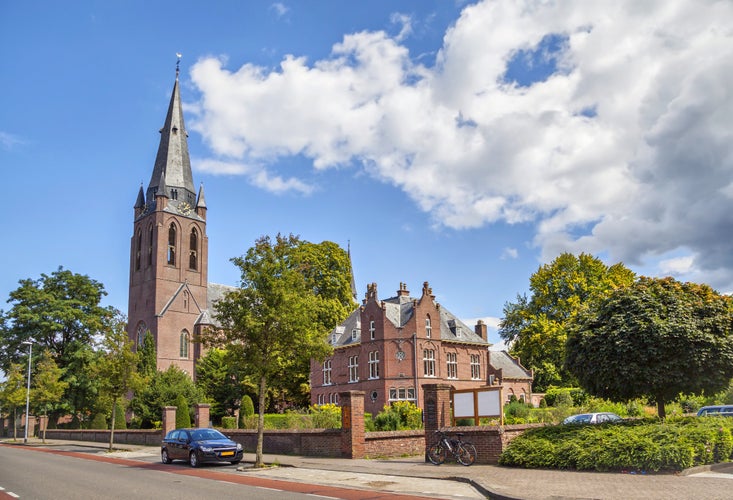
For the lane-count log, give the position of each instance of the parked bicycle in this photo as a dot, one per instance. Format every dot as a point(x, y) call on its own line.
point(464, 452)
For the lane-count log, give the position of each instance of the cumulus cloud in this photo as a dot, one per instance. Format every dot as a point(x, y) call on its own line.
point(604, 124)
point(280, 9)
point(509, 253)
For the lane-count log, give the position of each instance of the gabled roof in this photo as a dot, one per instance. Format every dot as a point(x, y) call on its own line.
point(511, 367)
point(214, 292)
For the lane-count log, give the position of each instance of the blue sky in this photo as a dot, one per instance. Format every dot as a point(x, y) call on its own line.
point(459, 143)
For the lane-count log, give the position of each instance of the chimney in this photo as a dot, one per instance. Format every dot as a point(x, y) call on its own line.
point(403, 291)
point(481, 330)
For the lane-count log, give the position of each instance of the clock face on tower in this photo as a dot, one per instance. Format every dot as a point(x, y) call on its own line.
point(184, 208)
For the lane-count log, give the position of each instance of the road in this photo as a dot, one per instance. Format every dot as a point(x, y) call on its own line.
point(39, 474)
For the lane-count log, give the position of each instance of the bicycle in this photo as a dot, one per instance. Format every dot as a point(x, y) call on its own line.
point(463, 451)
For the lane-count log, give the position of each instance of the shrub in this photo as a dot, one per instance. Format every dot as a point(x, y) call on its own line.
point(247, 407)
point(229, 422)
point(183, 415)
point(400, 415)
point(120, 422)
point(326, 416)
point(644, 444)
point(98, 422)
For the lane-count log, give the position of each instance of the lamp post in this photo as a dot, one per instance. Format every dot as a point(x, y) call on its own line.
point(28, 390)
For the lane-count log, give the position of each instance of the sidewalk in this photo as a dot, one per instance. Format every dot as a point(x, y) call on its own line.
point(410, 475)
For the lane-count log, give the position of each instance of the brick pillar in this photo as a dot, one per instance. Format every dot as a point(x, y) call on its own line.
point(169, 419)
point(437, 413)
point(352, 424)
point(202, 414)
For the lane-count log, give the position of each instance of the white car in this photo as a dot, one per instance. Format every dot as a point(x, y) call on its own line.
point(592, 418)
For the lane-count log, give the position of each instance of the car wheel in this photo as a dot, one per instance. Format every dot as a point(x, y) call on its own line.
point(164, 457)
point(235, 462)
point(193, 459)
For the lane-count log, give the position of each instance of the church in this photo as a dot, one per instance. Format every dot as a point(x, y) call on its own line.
point(169, 292)
point(386, 348)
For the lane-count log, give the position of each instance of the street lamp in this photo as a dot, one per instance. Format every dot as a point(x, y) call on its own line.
point(28, 390)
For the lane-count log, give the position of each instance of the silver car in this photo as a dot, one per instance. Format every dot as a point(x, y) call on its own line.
point(593, 418)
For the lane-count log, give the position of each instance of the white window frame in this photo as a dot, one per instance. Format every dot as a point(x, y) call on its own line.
point(353, 369)
point(428, 327)
point(372, 330)
point(401, 394)
point(327, 380)
point(451, 365)
point(373, 365)
point(428, 359)
point(353, 334)
point(475, 367)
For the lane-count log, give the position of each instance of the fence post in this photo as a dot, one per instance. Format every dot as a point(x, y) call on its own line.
point(169, 419)
point(437, 413)
point(352, 424)
point(202, 414)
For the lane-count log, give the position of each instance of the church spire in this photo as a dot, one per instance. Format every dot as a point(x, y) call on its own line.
point(172, 163)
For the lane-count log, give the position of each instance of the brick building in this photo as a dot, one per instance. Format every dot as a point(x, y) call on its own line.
point(508, 372)
point(169, 294)
point(389, 348)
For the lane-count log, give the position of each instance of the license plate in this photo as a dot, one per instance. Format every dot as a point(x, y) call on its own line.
point(227, 453)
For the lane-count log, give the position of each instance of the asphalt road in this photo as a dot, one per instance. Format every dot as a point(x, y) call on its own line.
point(34, 473)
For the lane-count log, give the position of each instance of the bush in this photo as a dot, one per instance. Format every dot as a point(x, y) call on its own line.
point(400, 415)
point(98, 422)
point(120, 422)
point(228, 422)
point(183, 415)
point(326, 416)
point(643, 445)
point(565, 396)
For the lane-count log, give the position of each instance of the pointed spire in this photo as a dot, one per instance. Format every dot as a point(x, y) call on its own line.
point(200, 201)
point(140, 202)
point(172, 163)
point(162, 187)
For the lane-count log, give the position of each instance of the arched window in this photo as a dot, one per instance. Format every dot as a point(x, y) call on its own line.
point(172, 245)
point(150, 245)
point(428, 327)
point(142, 329)
point(138, 249)
point(193, 252)
point(185, 340)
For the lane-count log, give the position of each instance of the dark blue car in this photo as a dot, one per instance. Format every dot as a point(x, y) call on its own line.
point(197, 446)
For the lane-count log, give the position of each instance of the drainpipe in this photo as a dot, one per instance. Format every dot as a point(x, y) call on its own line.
point(414, 368)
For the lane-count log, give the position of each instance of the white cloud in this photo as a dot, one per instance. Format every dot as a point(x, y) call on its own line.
point(9, 141)
point(509, 253)
point(646, 173)
point(280, 9)
point(257, 175)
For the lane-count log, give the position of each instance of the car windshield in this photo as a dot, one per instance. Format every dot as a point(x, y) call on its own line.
point(206, 435)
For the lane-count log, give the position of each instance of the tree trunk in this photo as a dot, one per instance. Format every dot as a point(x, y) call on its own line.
point(261, 422)
point(661, 410)
point(15, 424)
point(112, 427)
point(44, 429)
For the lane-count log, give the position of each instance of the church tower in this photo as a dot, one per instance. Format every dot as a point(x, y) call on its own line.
point(169, 251)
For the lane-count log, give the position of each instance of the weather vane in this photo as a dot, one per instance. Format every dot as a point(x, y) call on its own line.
point(178, 63)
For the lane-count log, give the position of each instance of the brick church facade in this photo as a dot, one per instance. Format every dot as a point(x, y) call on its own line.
point(169, 293)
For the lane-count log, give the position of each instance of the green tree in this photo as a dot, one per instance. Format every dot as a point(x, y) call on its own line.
point(536, 327)
point(280, 318)
point(657, 339)
point(222, 381)
point(147, 359)
point(162, 389)
point(13, 392)
point(48, 387)
point(60, 312)
point(117, 369)
point(183, 413)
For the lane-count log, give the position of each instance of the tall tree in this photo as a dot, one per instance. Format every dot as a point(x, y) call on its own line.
point(60, 312)
point(162, 389)
point(657, 338)
point(280, 317)
point(223, 381)
point(47, 386)
point(117, 369)
point(536, 327)
point(13, 392)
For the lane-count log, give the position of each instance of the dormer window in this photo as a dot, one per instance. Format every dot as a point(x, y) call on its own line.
point(353, 334)
point(458, 332)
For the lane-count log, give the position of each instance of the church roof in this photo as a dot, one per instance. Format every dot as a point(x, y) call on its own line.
point(172, 170)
